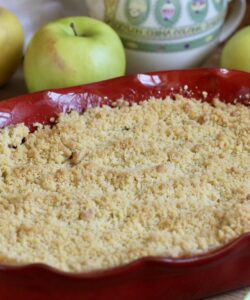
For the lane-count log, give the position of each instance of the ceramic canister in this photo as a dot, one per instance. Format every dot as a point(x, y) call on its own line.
point(168, 34)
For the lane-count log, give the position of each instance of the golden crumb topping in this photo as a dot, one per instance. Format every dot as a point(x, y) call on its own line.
point(167, 178)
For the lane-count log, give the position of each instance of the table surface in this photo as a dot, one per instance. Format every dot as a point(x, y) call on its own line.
point(17, 87)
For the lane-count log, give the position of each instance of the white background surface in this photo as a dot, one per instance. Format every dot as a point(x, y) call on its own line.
point(34, 13)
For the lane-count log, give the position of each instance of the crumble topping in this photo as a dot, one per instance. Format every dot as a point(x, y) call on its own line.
point(167, 178)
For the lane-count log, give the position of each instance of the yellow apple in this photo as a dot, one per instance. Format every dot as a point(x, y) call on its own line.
point(11, 44)
point(236, 53)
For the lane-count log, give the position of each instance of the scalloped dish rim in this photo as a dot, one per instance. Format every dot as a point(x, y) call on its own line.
point(163, 261)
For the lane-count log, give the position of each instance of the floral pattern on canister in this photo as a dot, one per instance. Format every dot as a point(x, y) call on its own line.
point(167, 12)
point(131, 19)
point(219, 4)
point(198, 10)
point(137, 11)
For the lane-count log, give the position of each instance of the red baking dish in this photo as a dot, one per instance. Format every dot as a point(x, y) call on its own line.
point(148, 278)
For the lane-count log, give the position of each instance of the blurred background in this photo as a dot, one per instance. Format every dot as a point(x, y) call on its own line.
point(246, 20)
point(35, 13)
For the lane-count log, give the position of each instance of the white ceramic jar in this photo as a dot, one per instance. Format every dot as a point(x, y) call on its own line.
point(168, 34)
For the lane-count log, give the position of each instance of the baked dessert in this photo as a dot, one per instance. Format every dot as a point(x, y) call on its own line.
point(162, 178)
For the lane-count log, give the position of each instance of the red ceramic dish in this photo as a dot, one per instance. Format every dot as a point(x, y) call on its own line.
point(147, 278)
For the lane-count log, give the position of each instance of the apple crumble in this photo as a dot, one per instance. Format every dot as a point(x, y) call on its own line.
point(97, 190)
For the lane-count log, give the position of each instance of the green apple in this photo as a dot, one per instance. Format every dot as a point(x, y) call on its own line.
point(11, 44)
point(236, 53)
point(73, 51)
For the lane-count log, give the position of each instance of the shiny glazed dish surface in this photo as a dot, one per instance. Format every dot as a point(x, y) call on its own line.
point(147, 278)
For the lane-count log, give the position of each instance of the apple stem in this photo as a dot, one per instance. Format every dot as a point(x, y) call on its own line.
point(72, 25)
